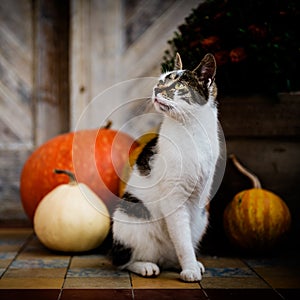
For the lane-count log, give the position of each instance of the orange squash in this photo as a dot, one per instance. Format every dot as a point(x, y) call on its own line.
point(96, 156)
point(256, 219)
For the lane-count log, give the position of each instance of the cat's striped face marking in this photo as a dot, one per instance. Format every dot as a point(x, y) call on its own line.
point(177, 91)
point(171, 86)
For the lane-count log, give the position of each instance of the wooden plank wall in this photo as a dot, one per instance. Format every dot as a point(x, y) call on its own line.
point(16, 92)
point(51, 69)
point(34, 88)
point(113, 42)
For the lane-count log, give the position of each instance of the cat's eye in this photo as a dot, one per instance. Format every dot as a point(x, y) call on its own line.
point(178, 86)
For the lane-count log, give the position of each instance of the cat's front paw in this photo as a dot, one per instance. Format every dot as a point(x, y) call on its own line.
point(149, 270)
point(146, 269)
point(193, 274)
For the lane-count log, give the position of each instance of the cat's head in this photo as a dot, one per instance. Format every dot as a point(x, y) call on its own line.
point(181, 90)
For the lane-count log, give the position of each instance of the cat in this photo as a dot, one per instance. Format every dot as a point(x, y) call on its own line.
point(163, 213)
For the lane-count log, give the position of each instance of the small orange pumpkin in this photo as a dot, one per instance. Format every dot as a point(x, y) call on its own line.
point(256, 219)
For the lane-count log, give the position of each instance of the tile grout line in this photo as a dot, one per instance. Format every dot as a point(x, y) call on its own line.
point(203, 290)
point(266, 282)
point(65, 277)
point(27, 241)
point(132, 290)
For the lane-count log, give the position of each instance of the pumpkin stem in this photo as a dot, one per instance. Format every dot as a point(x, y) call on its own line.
point(108, 124)
point(255, 181)
point(71, 175)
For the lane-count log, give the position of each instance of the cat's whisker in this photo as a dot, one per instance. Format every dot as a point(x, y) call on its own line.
point(181, 114)
point(141, 107)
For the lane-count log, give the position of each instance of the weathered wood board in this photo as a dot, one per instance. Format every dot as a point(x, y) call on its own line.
point(34, 88)
point(259, 116)
point(16, 117)
point(113, 42)
point(51, 69)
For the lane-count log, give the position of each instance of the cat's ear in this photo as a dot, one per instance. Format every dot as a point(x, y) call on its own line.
point(177, 63)
point(206, 70)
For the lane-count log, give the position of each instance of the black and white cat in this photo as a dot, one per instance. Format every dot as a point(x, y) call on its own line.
point(162, 216)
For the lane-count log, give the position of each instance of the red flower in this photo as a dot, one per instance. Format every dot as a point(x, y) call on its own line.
point(222, 57)
point(237, 54)
point(209, 42)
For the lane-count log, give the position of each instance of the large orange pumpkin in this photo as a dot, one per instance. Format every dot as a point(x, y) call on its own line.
point(256, 219)
point(97, 157)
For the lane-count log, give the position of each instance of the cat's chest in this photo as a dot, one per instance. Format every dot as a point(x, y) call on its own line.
point(185, 140)
point(183, 150)
point(189, 150)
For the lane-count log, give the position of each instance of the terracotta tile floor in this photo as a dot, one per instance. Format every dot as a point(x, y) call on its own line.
point(29, 271)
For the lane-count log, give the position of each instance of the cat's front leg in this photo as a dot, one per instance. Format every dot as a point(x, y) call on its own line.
point(178, 224)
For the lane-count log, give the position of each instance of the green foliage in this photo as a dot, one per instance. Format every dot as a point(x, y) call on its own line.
point(256, 44)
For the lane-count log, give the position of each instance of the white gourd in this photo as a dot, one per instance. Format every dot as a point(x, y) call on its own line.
point(71, 218)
